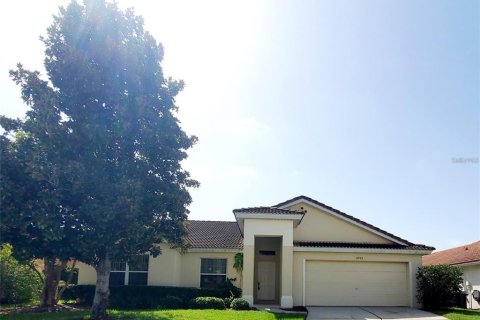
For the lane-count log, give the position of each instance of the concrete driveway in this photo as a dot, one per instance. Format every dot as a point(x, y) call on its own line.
point(369, 313)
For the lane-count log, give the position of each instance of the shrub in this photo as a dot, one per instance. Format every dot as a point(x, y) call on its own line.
point(438, 285)
point(207, 303)
point(18, 283)
point(228, 302)
point(170, 302)
point(83, 294)
point(240, 304)
point(144, 297)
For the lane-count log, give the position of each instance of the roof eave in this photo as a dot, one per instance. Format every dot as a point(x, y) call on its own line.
point(360, 250)
point(241, 216)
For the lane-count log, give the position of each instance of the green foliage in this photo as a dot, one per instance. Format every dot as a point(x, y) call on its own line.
point(94, 171)
point(144, 297)
point(228, 302)
point(207, 303)
point(66, 273)
point(18, 282)
point(170, 302)
point(238, 262)
point(438, 286)
point(125, 143)
point(240, 304)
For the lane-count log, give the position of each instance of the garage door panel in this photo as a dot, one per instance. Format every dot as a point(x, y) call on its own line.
point(335, 283)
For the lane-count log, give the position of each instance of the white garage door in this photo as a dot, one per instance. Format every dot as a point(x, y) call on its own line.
point(335, 283)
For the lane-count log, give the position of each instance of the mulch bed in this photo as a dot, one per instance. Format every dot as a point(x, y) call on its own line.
point(38, 309)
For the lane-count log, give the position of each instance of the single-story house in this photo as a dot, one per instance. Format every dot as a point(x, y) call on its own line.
point(299, 252)
point(468, 258)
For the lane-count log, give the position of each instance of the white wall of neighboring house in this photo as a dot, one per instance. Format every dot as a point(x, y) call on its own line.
point(471, 274)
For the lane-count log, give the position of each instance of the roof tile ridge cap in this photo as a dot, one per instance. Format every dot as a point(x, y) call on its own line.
point(469, 246)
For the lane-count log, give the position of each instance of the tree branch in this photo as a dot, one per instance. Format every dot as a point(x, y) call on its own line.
point(32, 266)
point(69, 279)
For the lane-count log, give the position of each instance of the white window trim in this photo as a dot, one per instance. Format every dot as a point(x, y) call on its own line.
point(212, 274)
point(127, 273)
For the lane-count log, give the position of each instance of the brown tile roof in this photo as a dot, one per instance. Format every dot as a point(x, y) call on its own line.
point(343, 214)
point(463, 254)
point(214, 234)
point(272, 210)
point(313, 244)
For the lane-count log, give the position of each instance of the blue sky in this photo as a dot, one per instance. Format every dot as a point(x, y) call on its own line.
point(371, 107)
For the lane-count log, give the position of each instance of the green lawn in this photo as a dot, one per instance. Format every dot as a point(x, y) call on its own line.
point(459, 314)
point(160, 315)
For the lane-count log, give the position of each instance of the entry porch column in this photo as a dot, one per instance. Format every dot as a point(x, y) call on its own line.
point(248, 270)
point(286, 300)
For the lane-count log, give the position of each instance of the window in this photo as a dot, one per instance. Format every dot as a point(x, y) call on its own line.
point(213, 272)
point(267, 252)
point(134, 272)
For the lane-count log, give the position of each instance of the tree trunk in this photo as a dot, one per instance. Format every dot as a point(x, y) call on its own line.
point(53, 271)
point(100, 301)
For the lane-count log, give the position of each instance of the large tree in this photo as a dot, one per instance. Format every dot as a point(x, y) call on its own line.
point(123, 142)
point(35, 190)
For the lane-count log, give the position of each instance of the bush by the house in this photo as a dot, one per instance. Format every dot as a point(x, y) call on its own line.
point(83, 294)
point(228, 302)
point(146, 297)
point(207, 303)
point(438, 285)
point(18, 282)
point(240, 304)
point(170, 302)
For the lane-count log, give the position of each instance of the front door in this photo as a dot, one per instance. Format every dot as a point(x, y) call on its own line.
point(266, 280)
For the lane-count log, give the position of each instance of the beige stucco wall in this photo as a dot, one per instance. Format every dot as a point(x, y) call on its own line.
point(299, 258)
point(318, 225)
point(171, 268)
point(86, 274)
point(472, 274)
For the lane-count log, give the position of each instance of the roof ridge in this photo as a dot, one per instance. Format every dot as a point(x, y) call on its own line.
point(459, 247)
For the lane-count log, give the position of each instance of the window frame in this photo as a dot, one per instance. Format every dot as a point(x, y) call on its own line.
point(127, 272)
point(212, 274)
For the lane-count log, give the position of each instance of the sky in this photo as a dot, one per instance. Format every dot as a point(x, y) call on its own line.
point(371, 107)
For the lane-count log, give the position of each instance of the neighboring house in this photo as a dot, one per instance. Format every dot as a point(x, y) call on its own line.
point(298, 252)
point(468, 258)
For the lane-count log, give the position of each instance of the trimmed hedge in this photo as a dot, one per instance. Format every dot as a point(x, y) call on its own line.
point(170, 302)
point(207, 303)
point(147, 297)
point(240, 304)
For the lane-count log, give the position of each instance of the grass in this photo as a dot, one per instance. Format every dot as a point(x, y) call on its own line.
point(459, 314)
point(159, 315)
